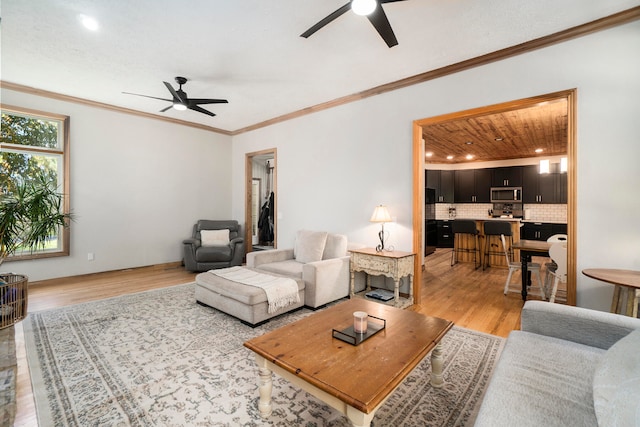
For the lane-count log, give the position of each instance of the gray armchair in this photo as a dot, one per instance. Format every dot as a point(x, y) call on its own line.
point(218, 250)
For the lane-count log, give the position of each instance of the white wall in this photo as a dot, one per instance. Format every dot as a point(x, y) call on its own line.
point(137, 187)
point(334, 166)
point(139, 184)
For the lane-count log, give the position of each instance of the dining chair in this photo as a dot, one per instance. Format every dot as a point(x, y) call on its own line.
point(532, 267)
point(558, 253)
point(551, 265)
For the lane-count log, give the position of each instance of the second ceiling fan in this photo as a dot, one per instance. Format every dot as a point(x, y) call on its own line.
point(180, 100)
point(372, 9)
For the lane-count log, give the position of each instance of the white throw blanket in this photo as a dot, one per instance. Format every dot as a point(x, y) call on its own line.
point(281, 291)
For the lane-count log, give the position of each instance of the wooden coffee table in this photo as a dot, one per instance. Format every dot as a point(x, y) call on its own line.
point(355, 380)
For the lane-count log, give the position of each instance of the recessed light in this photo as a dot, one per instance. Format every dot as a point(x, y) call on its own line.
point(498, 139)
point(469, 156)
point(89, 22)
point(428, 154)
point(449, 157)
point(469, 142)
point(539, 150)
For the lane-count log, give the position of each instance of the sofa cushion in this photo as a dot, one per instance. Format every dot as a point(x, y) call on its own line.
point(214, 237)
point(290, 267)
point(616, 383)
point(541, 381)
point(213, 253)
point(309, 245)
point(335, 247)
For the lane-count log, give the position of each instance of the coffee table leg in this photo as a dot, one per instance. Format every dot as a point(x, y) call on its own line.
point(359, 419)
point(436, 367)
point(265, 385)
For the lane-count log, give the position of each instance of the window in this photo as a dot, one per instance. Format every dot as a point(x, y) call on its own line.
point(33, 142)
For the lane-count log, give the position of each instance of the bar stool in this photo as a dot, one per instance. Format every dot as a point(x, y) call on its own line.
point(496, 228)
point(460, 229)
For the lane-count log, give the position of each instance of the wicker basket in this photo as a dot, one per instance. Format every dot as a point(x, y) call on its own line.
point(13, 298)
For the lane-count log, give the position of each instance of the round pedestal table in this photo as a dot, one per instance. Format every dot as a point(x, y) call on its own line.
point(627, 292)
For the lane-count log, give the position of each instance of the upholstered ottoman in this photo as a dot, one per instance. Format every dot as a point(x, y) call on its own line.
point(245, 302)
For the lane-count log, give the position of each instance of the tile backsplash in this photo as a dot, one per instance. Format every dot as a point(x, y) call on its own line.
point(538, 212)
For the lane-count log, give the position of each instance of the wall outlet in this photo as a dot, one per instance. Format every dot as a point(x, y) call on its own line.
point(90, 256)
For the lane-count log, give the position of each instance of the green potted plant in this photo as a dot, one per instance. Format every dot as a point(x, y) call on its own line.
point(29, 215)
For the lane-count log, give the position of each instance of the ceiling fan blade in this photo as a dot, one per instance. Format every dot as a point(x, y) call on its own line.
point(336, 14)
point(174, 93)
point(196, 101)
point(200, 110)
point(147, 96)
point(165, 109)
point(388, 1)
point(381, 23)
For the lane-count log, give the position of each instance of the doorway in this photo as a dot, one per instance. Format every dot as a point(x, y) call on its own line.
point(261, 200)
point(419, 167)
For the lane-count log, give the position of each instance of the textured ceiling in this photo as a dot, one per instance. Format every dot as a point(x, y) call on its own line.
point(250, 52)
point(502, 135)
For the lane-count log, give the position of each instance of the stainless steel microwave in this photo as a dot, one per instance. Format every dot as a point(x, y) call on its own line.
point(506, 194)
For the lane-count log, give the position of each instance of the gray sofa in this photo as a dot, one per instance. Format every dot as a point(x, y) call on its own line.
point(319, 258)
point(567, 366)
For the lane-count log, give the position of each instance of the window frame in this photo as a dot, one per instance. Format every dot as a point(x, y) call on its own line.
point(63, 152)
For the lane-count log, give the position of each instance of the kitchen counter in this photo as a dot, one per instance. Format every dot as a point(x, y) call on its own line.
point(484, 219)
point(493, 258)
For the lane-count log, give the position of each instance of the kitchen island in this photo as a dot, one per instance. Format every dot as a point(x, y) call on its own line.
point(495, 259)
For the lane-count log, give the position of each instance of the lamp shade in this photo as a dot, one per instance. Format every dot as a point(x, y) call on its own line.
point(380, 214)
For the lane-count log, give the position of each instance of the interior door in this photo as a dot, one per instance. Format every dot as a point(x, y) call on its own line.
point(260, 166)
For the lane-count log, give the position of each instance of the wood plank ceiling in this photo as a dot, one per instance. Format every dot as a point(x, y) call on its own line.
point(504, 135)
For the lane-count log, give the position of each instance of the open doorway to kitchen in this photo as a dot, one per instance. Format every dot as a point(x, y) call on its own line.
point(423, 126)
point(260, 200)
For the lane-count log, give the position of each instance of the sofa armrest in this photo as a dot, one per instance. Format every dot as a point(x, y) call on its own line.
point(237, 247)
point(189, 247)
point(581, 325)
point(257, 258)
point(326, 281)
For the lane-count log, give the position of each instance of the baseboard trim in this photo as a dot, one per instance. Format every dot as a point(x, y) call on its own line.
point(153, 267)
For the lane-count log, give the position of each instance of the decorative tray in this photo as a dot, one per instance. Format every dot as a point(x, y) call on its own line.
point(352, 337)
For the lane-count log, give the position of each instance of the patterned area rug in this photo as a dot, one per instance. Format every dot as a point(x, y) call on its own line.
point(159, 359)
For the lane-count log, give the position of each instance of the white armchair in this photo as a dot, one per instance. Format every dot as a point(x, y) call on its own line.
point(319, 258)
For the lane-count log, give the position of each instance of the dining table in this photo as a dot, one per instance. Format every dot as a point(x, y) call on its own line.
point(626, 294)
point(528, 249)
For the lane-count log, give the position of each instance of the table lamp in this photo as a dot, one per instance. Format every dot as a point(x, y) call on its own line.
point(380, 214)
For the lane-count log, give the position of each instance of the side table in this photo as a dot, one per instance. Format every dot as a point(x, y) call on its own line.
point(626, 295)
point(393, 264)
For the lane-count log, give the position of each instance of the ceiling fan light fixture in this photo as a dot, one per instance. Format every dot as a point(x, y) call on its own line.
point(89, 23)
point(178, 106)
point(363, 7)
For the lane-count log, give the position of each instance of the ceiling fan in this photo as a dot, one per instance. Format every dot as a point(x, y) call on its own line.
point(180, 100)
point(372, 9)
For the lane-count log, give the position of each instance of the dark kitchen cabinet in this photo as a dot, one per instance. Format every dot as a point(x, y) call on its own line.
point(563, 188)
point(506, 177)
point(536, 231)
point(558, 229)
point(472, 186)
point(445, 235)
point(442, 182)
point(540, 188)
point(446, 187)
point(541, 230)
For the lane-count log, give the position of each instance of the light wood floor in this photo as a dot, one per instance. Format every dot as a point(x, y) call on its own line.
point(470, 298)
